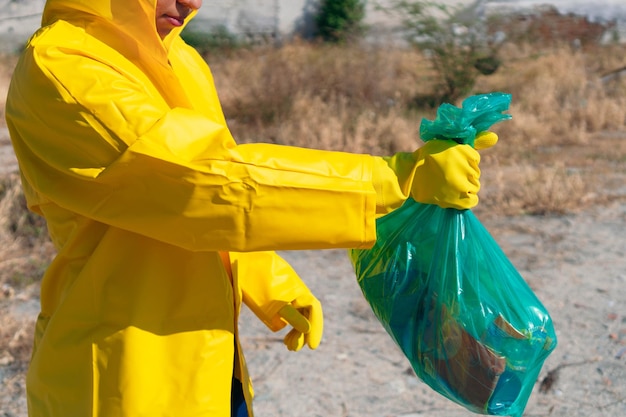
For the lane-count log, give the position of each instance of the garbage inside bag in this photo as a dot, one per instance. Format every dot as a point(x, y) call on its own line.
point(468, 323)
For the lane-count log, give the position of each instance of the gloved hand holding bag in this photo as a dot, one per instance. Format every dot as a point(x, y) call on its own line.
point(468, 323)
point(442, 172)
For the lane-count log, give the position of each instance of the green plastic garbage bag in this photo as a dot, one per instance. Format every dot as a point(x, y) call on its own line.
point(468, 323)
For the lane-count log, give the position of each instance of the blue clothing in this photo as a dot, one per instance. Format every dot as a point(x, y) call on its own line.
point(238, 406)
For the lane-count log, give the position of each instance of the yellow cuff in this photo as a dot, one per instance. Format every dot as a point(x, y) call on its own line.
point(391, 189)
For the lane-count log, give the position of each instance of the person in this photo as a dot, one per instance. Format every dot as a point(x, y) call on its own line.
point(164, 225)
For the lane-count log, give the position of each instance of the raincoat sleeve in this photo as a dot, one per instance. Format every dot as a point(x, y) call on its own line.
point(267, 283)
point(173, 174)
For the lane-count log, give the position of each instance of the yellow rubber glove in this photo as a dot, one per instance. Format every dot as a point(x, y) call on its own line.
point(441, 172)
point(446, 174)
point(485, 140)
point(304, 314)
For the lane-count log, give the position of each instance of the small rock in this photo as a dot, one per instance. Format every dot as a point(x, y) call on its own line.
point(6, 359)
point(7, 291)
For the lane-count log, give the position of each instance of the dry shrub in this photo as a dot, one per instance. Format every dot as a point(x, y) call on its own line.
point(335, 125)
point(553, 190)
point(16, 340)
point(606, 106)
point(329, 97)
point(360, 100)
point(370, 76)
point(25, 249)
point(558, 96)
point(9, 198)
point(536, 190)
point(605, 59)
point(15, 218)
point(7, 63)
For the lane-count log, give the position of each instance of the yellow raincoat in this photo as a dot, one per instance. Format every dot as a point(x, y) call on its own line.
point(124, 149)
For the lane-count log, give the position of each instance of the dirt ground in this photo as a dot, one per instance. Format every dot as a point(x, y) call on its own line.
point(576, 264)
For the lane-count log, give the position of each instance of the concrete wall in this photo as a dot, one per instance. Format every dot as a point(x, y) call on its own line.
point(281, 18)
point(20, 18)
point(278, 18)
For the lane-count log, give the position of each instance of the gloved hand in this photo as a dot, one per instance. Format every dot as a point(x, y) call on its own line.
point(304, 314)
point(442, 172)
point(485, 140)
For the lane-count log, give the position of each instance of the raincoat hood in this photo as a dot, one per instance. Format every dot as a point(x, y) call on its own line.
point(132, 20)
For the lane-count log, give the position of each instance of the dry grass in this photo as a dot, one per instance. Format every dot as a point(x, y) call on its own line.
point(274, 94)
point(15, 338)
point(322, 96)
point(25, 249)
point(7, 62)
point(558, 95)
